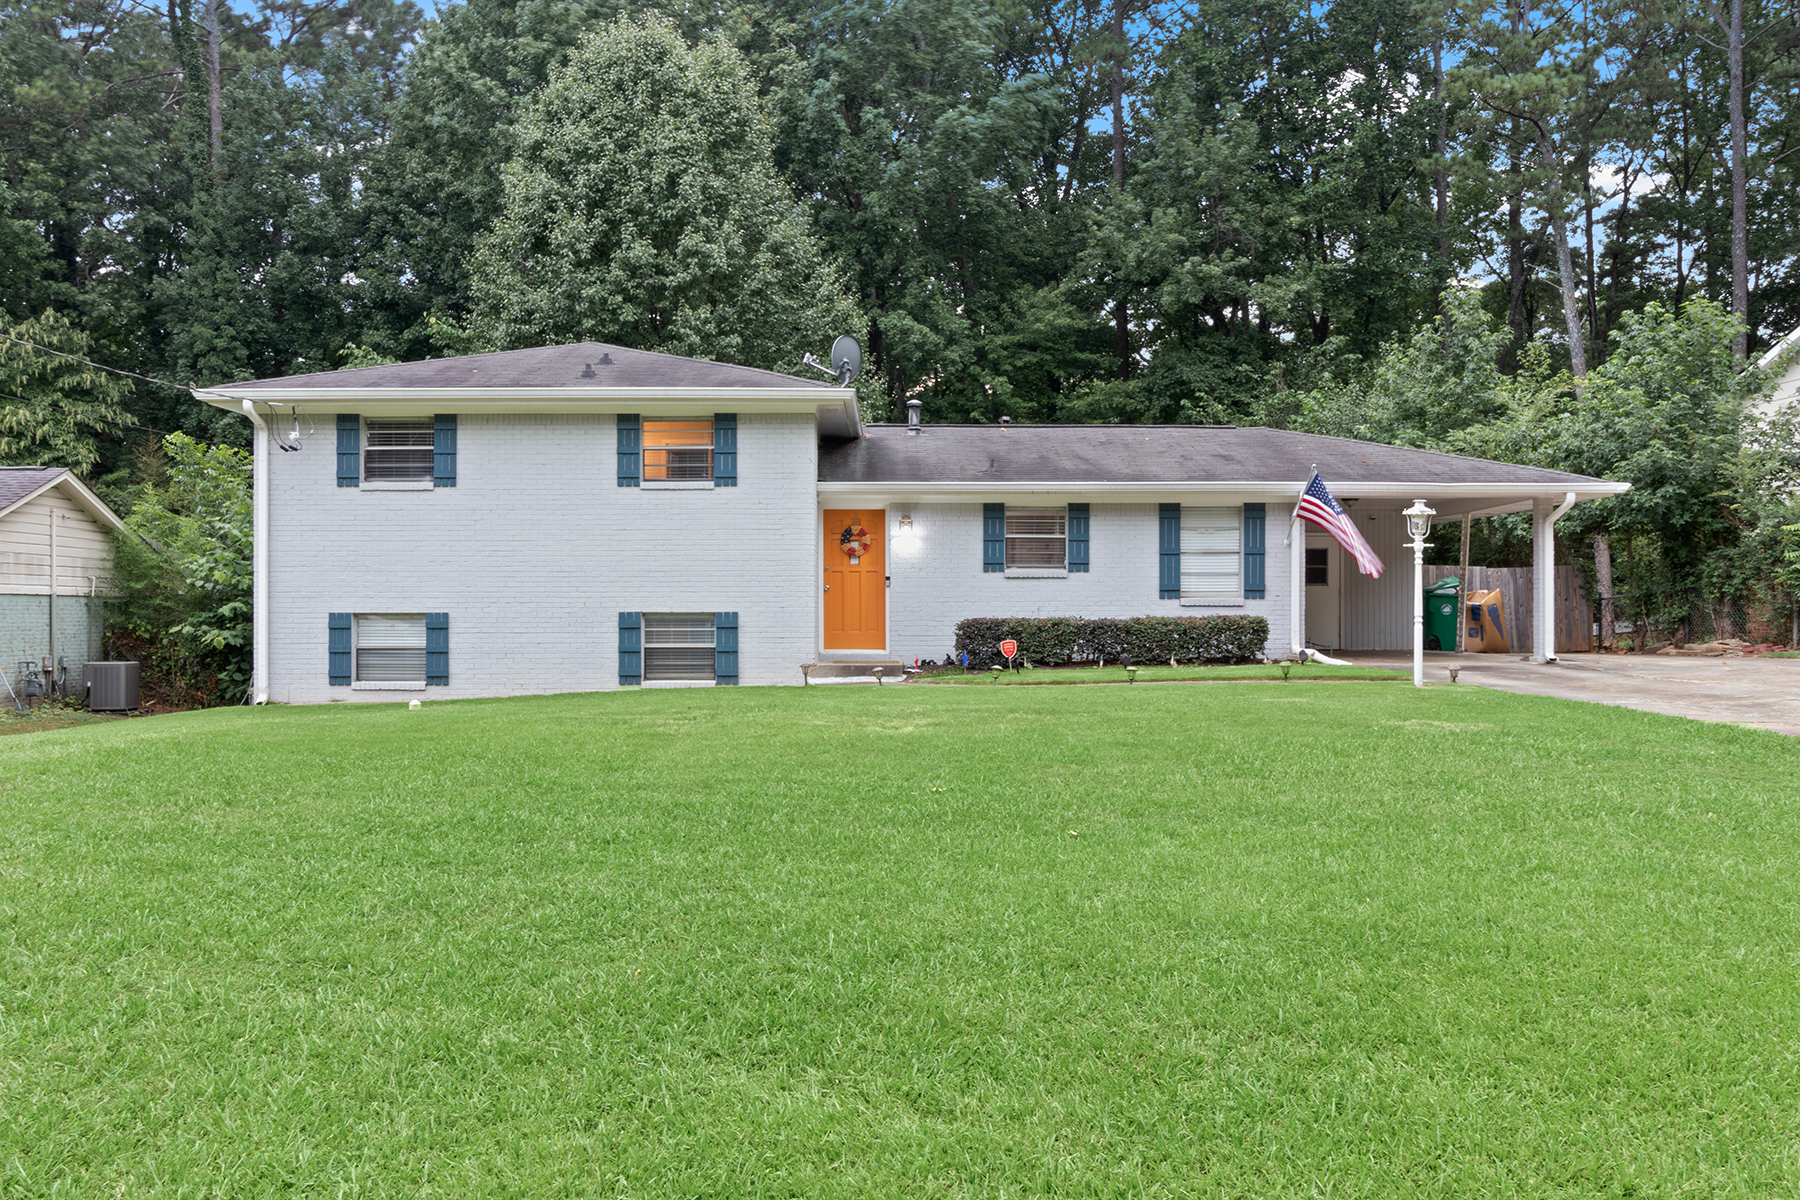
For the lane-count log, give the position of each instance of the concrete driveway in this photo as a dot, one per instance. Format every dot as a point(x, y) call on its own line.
point(1764, 692)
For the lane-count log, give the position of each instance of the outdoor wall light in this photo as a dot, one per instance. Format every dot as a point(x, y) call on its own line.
point(907, 536)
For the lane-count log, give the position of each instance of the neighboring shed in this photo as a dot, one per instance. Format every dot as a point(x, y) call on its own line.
point(48, 516)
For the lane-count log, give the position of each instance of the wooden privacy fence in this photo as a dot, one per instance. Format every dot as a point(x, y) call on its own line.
point(1574, 619)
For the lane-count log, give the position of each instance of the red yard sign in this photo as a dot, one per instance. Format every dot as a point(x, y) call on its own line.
point(1009, 647)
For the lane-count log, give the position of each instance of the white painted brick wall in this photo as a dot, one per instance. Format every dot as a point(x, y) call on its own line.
point(938, 581)
point(536, 551)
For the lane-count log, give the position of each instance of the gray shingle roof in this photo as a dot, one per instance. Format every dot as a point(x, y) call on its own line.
point(1149, 454)
point(16, 483)
point(545, 367)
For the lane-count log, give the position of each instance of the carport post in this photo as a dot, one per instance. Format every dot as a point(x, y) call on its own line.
point(1543, 575)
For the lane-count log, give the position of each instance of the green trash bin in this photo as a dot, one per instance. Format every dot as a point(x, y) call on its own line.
point(1443, 602)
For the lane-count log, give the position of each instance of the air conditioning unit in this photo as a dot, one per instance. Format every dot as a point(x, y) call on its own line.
point(110, 686)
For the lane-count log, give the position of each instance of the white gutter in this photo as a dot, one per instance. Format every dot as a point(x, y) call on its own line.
point(259, 570)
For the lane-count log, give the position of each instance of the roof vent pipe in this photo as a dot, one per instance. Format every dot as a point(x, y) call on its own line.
point(912, 416)
point(1006, 420)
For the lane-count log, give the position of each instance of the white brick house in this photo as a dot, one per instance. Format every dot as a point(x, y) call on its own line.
point(577, 518)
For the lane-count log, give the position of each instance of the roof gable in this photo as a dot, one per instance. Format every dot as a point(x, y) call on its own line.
point(18, 485)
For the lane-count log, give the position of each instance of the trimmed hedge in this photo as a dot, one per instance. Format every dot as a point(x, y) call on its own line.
point(1053, 641)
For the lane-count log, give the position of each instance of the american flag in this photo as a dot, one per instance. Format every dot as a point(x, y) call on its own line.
point(1317, 506)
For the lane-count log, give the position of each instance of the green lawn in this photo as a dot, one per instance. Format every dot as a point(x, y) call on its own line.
point(1270, 672)
point(1272, 940)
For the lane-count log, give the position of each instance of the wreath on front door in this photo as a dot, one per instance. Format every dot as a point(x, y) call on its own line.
point(855, 541)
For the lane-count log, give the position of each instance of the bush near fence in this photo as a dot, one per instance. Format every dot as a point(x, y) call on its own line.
point(1057, 641)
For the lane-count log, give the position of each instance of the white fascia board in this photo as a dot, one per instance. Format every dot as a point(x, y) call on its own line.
point(1505, 495)
point(83, 496)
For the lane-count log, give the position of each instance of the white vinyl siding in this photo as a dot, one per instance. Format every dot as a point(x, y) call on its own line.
point(397, 450)
point(390, 648)
point(679, 646)
point(83, 549)
point(1211, 554)
point(1037, 537)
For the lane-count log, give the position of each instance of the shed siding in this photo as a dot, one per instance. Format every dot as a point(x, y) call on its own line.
point(83, 548)
point(939, 581)
point(537, 550)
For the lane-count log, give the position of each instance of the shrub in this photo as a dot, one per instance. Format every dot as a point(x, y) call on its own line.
point(1051, 641)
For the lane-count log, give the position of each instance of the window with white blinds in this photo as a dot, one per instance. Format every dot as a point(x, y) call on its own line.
point(397, 449)
point(390, 648)
point(679, 646)
point(1037, 537)
point(1211, 554)
point(678, 451)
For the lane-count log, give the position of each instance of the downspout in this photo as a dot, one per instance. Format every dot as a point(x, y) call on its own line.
point(50, 662)
point(259, 569)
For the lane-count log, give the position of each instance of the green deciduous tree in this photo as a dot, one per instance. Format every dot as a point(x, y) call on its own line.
point(55, 411)
point(643, 207)
point(183, 571)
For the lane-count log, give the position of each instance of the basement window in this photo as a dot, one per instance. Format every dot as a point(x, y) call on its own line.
point(390, 649)
point(680, 648)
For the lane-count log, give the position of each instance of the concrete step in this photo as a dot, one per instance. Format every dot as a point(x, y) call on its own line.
point(821, 672)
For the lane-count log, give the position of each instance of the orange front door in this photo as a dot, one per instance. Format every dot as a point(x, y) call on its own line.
point(855, 587)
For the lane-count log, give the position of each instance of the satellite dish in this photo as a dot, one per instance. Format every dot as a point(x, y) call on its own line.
point(846, 360)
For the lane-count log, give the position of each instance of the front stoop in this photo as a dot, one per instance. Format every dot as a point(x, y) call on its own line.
point(876, 671)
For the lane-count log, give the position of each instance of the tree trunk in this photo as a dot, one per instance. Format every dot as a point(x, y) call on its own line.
point(1121, 319)
point(1443, 179)
point(1740, 220)
point(1515, 258)
point(210, 22)
point(1565, 265)
point(1462, 617)
point(1118, 94)
point(1603, 584)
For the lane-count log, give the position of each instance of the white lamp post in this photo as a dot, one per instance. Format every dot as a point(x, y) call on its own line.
point(1418, 523)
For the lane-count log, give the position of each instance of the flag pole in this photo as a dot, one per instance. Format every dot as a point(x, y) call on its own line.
point(1297, 575)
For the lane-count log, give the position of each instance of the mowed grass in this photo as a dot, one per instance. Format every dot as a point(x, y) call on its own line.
point(1258, 940)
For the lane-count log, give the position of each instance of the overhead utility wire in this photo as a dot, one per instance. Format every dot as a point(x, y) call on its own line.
point(90, 363)
point(82, 415)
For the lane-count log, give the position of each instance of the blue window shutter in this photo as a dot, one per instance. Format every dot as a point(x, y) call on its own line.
point(437, 649)
point(724, 449)
point(631, 443)
point(443, 450)
point(725, 648)
point(1255, 522)
point(1168, 539)
point(339, 624)
point(993, 537)
point(349, 450)
point(631, 648)
point(1078, 537)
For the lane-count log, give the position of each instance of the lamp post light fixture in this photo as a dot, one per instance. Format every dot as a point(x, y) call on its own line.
point(1418, 523)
